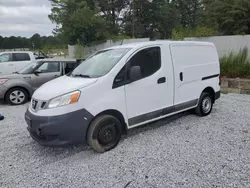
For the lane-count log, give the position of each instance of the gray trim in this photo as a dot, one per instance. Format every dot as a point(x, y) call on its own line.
point(217, 95)
point(210, 77)
point(186, 105)
point(162, 112)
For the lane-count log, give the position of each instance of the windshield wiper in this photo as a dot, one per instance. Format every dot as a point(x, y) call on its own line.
point(80, 75)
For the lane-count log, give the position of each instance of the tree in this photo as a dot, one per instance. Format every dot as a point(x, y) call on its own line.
point(190, 12)
point(230, 16)
point(112, 13)
point(79, 22)
point(36, 41)
point(154, 18)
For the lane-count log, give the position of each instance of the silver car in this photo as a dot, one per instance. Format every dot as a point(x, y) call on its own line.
point(17, 88)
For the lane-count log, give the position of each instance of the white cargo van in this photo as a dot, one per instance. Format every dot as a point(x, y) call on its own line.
point(123, 87)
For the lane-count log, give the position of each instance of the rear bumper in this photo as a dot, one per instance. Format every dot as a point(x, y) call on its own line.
point(60, 130)
point(3, 90)
point(217, 95)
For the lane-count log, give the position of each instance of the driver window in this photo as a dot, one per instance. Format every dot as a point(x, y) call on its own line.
point(148, 59)
point(48, 67)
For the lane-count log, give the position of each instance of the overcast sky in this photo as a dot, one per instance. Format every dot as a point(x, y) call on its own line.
point(25, 18)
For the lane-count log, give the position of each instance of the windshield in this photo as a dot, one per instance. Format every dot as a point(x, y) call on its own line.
point(100, 63)
point(28, 69)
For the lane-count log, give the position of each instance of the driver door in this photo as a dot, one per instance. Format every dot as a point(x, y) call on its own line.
point(151, 94)
point(44, 73)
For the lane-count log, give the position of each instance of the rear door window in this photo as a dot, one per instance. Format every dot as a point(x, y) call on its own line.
point(21, 57)
point(70, 66)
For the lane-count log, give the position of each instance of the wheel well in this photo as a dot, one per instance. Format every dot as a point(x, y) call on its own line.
point(17, 87)
point(116, 114)
point(210, 91)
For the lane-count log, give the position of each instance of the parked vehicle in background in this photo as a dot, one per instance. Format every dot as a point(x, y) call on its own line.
point(123, 87)
point(15, 60)
point(18, 87)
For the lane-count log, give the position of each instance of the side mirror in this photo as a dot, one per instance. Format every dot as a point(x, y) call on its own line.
point(37, 72)
point(135, 73)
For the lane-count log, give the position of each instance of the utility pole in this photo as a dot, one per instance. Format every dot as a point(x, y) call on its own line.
point(133, 19)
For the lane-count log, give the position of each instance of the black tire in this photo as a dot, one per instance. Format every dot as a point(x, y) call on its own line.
point(205, 105)
point(23, 98)
point(104, 133)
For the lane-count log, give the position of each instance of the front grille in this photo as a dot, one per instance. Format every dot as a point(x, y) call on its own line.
point(34, 104)
point(37, 104)
point(43, 104)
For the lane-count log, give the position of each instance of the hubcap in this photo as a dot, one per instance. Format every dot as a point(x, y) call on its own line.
point(206, 104)
point(107, 134)
point(17, 97)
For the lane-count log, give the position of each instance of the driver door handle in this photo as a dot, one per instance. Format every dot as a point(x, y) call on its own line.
point(161, 80)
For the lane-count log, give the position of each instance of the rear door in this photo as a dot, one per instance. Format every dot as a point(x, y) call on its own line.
point(6, 64)
point(151, 96)
point(45, 72)
point(192, 62)
point(21, 60)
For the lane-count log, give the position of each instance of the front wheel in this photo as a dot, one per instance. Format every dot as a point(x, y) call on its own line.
point(16, 96)
point(104, 133)
point(205, 105)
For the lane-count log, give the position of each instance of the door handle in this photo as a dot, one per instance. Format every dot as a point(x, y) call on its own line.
point(161, 80)
point(181, 76)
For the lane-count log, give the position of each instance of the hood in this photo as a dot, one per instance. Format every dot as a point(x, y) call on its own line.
point(60, 86)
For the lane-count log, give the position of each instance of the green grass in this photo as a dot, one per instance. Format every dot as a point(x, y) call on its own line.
point(236, 64)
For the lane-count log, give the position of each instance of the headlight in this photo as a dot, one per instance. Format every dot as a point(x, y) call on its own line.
point(2, 81)
point(66, 99)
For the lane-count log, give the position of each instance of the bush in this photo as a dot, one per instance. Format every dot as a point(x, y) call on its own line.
point(236, 64)
point(181, 33)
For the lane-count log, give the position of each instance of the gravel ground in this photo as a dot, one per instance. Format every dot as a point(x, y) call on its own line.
point(181, 151)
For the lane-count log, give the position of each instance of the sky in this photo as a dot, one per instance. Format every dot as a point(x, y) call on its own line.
point(25, 18)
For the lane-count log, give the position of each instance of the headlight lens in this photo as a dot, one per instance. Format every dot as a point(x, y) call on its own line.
point(2, 81)
point(63, 100)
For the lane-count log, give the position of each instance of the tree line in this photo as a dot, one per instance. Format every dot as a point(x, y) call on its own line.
point(91, 21)
point(35, 42)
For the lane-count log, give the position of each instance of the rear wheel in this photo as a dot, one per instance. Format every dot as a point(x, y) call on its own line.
point(205, 105)
point(104, 133)
point(16, 96)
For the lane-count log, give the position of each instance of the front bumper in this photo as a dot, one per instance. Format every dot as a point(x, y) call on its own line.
point(60, 130)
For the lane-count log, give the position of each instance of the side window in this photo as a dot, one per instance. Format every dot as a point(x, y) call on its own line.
point(120, 78)
point(69, 67)
point(148, 59)
point(5, 58)
point(48, 67)
point(21, 57)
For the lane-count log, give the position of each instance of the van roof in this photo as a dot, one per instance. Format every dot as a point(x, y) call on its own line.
point(159, 42)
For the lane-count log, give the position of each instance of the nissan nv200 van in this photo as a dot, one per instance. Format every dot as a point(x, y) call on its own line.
point(124, 87)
